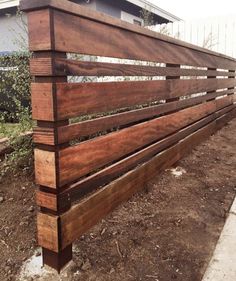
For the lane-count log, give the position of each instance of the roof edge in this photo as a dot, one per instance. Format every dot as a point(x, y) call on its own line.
point(155, 9)
point(8, 4)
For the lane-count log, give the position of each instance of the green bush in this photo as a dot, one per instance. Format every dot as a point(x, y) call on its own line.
point(14, 84)
point(15, 107)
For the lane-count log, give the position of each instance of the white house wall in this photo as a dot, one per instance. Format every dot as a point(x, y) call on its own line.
point(13, 36)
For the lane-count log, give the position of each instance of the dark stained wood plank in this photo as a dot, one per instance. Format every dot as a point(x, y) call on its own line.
point(43, 103)
point(94, 154)
point(92, 209)
point(103, 203)
point(77, 13)
point(174, 66)
point(40, 30)
point(107, 122)
point(45, 168)
point(89, 184)
point(47, 200)
point(220, 122)
point(61, 67)
point(45, 135)
point(48, 229)
point(79, 160)
point(85, 98)
point(68, 133)
point(58, 27)
point(114, 42)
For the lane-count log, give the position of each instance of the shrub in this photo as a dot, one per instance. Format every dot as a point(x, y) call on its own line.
point(15, 107)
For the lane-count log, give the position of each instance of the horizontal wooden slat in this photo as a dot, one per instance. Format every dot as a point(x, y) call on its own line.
point(62, 67)
point(223, 120)
point(111, 35)
point(84, 98)
point(79, 160)
point(91, 210)
point(78, 10)
point(66, 173)
point(110, 173)
point(73, 99)
point(67, 133)
point(81, 217)
point(114, 42)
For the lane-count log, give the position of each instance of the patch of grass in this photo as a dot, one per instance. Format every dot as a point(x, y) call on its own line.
point(7, 129)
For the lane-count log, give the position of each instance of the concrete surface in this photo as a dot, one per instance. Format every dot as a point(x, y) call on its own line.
point(222, 266)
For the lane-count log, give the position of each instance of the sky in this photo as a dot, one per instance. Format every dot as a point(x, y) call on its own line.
point(189, 9)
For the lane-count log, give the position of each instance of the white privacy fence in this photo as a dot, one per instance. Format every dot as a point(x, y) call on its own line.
point(217, 34)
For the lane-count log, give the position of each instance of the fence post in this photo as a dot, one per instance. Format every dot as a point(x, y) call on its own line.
point(41, 43)
point(172, 77)
point(211, 77)
point(231, 71)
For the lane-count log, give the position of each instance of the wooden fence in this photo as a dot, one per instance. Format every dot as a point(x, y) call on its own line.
point(127, 131)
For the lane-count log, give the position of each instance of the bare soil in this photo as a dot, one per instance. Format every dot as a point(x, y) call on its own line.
point(167, 232)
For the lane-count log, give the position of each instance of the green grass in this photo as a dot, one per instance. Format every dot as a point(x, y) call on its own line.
point(7, 128)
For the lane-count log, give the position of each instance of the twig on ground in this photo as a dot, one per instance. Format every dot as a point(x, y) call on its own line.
point(118, 249)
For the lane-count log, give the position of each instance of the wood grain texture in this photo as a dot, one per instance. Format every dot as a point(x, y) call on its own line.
point(115, 42)
point(68, 26)
point(45, 168)
point(43, 103)
point(143, 142)
point(69, 67)
point(74, 99)
point(80, 11)
point(48, 231)
point(79, 160)
point(45, 135)
point(86, 98)
point(39, 30)
point(69, 132)
point(90, 183)
point(47, 200)
point(92, 209)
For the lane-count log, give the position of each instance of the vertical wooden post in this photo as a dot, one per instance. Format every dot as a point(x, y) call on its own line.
point(42, 44)
point(231, 71)
point(211, 77)
point(56, 260)
point(172, 77)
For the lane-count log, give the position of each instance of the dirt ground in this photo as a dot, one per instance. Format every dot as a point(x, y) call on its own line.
point(167, 232)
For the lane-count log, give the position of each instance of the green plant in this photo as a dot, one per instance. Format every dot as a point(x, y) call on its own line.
point(20, 141)
point(15, 105)
point(15, 83)
point(147, 17)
